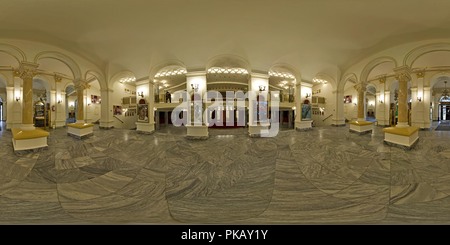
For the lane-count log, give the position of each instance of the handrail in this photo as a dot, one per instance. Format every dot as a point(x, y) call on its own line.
point(327, 117)
point(118, 119)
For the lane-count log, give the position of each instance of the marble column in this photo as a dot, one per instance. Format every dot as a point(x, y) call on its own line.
point(361, 88)
point(52, 100)
point(380, 102)
point(27, 72)
point(403, 76)
point(106, 120)
point(427, 117)
point(298, 102)
point(339, 118)
point(80, 86)
point(196, 124)
point(10, 101)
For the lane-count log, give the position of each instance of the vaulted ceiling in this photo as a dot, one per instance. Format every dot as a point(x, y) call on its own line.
point(312, 35)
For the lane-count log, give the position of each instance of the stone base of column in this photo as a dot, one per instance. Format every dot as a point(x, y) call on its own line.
point(145, 128)
point(361, 127)
point(256, 131)
point(60, 123)
point(421, 125)
point(80, 130)
point(402, 125)
point(403, 137)
point(106, 124)
point(11, 125)
point(303, 125)
point(197, 132)
point(338, 122)
point(27, 127)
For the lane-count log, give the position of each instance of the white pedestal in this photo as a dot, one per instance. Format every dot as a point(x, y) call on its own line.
point(338, 122)
point(106, 124)
point(145, 128)
point(403, 137)
point(361, 127)
point(255, 130)
point(303, 125)
point(78, 131)
point(197, 132)
point(29, 139)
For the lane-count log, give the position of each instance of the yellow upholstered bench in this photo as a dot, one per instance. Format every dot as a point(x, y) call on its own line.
point(80, 130)
point(20, 134)
point(401, 131)
point(361, 127)
point(361, 123)
point(404, 137)
point(29, 139)
point(80, 125)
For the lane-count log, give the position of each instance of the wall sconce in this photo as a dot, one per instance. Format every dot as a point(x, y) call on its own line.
point(419, 99)
point(308, 95)
point(59, 101)
point(381, 102)
point(17, 98)
point(262, 88)
point(354, 103)
point(141, 94)
point(194, 86)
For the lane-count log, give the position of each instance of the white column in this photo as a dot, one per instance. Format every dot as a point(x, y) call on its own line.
point(146, 88)
point(196, 124)
point(259, 85)
point(52, 101)
point(298, 102)
point(10, 102)
point(387, 107)
point(60, 119)
point(106, 118)
point(427, 99)
point(339, 118)
point(435, 107)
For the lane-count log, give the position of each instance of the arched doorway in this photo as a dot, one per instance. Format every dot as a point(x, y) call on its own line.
point(224, 111)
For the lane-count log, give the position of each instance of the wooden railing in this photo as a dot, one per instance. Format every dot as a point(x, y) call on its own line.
point(120, 120)
point(327, 117)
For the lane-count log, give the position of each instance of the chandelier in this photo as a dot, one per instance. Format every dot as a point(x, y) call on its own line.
point(445, 95)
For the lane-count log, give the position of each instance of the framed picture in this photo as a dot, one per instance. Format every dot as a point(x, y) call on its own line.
point(95, 99)
point(142, 112)
point(117, 110)
point(347, 99)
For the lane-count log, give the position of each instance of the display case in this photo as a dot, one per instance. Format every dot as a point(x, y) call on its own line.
point(41, 115)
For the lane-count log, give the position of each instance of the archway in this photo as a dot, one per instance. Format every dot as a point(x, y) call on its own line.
point(283, 79)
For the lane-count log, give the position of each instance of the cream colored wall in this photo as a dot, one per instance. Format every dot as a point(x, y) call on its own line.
point(350, 109)
point(92, 109)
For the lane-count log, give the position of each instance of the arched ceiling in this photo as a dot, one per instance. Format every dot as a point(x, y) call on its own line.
point(311, 35)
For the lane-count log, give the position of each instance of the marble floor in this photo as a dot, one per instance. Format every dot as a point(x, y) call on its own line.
point(324, 176)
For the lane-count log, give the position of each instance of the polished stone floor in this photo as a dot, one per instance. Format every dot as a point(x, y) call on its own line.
point(323, 176)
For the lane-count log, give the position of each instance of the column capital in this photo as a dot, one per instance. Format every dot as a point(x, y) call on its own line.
point(26, 70)
point(382, 78)
point(403, 73)
point(81, 84)
point(360, 86)
point(58, 78)
point(420, 74)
